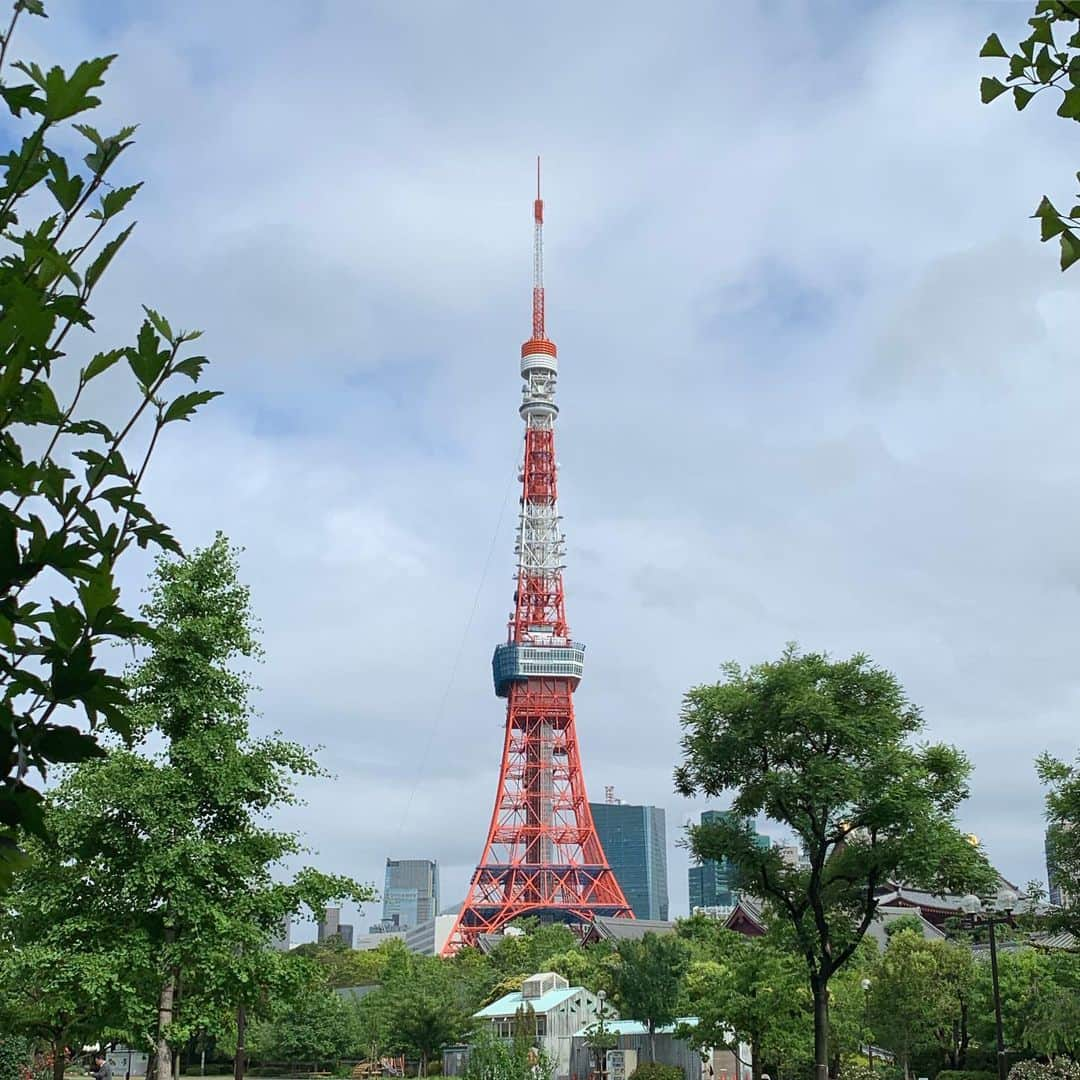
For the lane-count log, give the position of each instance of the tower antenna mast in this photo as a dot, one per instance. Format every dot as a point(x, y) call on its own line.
point(538, 261)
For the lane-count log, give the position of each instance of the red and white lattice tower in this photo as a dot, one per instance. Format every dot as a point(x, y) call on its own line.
point(542, 857)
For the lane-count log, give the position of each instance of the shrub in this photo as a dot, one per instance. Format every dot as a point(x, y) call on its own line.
point(965, 1074)
point(14, 1057)
point(654, 1070)
point(1059, 1069)
point(859, 1070)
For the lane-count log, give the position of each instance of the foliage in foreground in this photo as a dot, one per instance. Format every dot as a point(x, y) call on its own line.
point(1047, 60)
point(71, 468)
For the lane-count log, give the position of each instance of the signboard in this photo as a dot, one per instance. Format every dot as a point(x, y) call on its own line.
point(621, 1064)
point(125, 1062)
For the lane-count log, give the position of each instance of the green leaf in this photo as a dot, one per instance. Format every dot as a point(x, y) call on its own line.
point(192, 367)
point(1070, 249)
point(32, 7)
point(1050, 227)
point(101, 363)
point(105, 256)
point(97, 593)
point(64, 187)
point(145, 360)
point(1045, 207)
point(1021, 97)
point(1070, 104)
point(993, 47)
point(1045, 68)
point(68, 745)
point(114, 201)
point(67, 624)
point(40, 405)
point(990, 89)
point(64, 96)
point(1042, 31)
point(185, 405)
point(161, 324)
point(21, 97)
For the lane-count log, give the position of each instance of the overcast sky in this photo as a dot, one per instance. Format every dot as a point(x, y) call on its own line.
point(818, 377)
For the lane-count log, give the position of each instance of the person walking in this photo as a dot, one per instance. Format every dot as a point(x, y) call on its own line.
point(101, 1070)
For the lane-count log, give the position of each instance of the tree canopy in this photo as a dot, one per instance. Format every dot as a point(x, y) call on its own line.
point(825, 748)
point(648, 981)
point(163, 858)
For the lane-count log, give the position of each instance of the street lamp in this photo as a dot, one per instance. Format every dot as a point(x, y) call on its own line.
point(600, 1041)
point(977, 914)
point(866, 1024)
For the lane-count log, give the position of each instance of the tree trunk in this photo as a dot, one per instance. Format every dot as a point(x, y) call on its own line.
point(820, 988)
point(239, 1062)
point(59, 1058)
point(652, 1041)
point(755, 1059)
point(961, 1057)
point(162, 1050)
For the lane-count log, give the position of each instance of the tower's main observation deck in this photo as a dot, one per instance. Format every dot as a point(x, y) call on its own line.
point(542, 856)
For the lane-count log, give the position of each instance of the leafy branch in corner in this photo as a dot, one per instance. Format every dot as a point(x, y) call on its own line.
point(70, 479)
point(1045, 61)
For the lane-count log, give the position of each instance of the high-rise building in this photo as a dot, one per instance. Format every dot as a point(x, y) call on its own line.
point(1056, 893)
point(282, 941)
point(542, 856)
point(410, 892)
point(330, 926)
point(715, 883)
point(327, 926)
point(634, 839)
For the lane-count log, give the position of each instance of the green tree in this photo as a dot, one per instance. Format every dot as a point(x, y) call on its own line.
point(523, 954)
point(61, 534)
point(1048, 59)
point(825, 748)
point(168, 855)
point(64, 990)
point(316, 1026)
point(1040, 1002)
point(1063, 818)
point(648, 981)
point(911, 998)
point(747, 990)
point(420, 1008)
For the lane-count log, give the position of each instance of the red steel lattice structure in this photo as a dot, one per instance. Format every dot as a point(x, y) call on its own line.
point(542, 856)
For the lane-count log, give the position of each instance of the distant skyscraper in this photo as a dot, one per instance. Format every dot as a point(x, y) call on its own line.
point(634, 839)
point(1056, 894)
point(327, 926)
point(411, 892)
point(715, 884)
point(330, 926)
point(283, 940)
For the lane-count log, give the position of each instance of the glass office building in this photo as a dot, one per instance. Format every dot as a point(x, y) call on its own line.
point(715, 883)
point(411, 892)
point(634, 839)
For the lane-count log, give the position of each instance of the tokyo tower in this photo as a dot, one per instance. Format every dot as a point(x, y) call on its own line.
point(542, 857)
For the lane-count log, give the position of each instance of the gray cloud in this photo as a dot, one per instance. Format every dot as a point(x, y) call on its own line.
point(817, 373)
